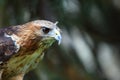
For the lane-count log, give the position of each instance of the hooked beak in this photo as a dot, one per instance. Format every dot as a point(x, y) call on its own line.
point(56, 34)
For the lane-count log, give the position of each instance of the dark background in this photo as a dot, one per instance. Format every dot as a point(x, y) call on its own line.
point(90, 49)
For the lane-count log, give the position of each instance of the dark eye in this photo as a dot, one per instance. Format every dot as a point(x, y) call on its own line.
point(46, 30)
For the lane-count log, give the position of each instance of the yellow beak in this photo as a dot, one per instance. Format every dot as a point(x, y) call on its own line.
point(56, 34)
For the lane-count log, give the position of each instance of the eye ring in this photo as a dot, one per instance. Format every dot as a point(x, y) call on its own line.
point(46, 30)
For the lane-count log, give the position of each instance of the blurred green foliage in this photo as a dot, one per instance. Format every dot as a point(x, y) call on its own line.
point(91, 30)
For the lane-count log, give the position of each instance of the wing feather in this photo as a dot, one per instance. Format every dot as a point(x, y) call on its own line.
point(7, 46)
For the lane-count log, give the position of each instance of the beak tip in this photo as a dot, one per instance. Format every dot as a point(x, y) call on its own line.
point(59, 42)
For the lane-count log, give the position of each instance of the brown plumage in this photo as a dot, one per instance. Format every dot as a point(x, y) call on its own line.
point(23, 46)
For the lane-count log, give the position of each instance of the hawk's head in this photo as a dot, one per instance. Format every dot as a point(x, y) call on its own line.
point(47, 29)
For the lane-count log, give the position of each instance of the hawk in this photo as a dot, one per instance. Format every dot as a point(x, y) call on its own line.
point(23, 46)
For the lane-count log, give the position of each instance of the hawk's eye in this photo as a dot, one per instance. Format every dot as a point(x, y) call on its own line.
point(46, 30)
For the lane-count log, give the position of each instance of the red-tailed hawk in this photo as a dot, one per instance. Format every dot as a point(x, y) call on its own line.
point(23, 46)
